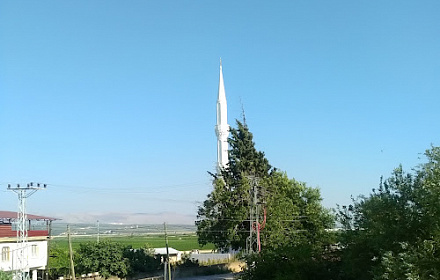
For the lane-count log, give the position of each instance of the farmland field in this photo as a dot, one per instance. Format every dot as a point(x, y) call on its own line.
point(181, 242)
point(182, 238)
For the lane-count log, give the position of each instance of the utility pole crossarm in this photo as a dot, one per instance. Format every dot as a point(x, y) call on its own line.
point(32, 187)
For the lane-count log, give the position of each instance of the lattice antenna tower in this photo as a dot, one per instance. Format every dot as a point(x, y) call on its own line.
point(22, 269)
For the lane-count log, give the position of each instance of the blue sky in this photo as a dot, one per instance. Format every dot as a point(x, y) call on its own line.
point(112, 103)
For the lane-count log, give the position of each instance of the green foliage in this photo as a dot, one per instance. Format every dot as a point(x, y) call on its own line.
point(139, 260)
point(142, 260)
point(293, 262)
point(244, 159)
point(5, 275)
point(223, 219)
point(417, 262)
point(295, 215)
point(58, 263)
point(188, 267)
point(106, 257)
point(187, 262)
point(394, 233)
point(295, 241)
point(294, 211)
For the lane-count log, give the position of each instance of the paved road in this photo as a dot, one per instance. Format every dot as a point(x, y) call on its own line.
point(229, 276)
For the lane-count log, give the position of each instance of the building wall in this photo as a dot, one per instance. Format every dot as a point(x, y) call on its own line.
point(211, 257)
point(35, 255)
point(6, 231)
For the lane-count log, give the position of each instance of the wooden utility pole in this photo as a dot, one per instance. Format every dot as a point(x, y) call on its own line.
point(72, 266)
point(49, 231)
point(167, 263)
point(97, 240)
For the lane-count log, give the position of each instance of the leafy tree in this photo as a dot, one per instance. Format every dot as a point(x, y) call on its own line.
point(395, 232)
point(142, 260)
point(419, 261)
point(223, 219)
point(295, 214)
point(58, 263)
point(5, 275)
point(293, 262)
point(106, 257)
point(378, 223)
point(296, 243)
point(296, 223)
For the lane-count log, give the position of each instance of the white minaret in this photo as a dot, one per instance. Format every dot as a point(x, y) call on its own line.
point(222, 127)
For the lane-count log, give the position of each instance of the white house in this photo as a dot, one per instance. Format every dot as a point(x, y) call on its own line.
point(174, 254)
point(35, 254)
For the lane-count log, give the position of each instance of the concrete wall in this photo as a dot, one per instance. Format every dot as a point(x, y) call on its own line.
point(211, 257)
point(35, 255)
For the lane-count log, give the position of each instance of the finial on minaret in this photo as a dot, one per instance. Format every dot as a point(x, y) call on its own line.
point(222, 127)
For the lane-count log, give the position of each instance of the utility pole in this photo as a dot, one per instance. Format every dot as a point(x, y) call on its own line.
point(253, 242)
point(72, 266)
point(49, 227)
point(251, 222)
point(22, 271)
point(167, 262)
point(97, 240)
point(256, 225)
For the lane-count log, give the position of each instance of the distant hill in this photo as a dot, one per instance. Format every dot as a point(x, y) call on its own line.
point(128, 218)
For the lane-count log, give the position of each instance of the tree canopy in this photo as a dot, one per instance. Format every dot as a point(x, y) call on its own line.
point(106, 257)
point(224, 219)
point(293, 210)
point(394, 233)
point(5, 275)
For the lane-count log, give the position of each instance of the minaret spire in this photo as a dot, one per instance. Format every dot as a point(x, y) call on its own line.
point(222, 127)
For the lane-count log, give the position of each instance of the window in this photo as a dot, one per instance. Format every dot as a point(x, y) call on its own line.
point(34, 251)
point(5, 254)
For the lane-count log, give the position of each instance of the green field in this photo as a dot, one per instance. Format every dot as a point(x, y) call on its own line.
point(181, 242)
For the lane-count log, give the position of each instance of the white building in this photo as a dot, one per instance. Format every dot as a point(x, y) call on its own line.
point(35, 253)
point(175, 255)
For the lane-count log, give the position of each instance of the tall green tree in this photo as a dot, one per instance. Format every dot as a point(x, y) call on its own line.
point(294, 213)
point(223, 219)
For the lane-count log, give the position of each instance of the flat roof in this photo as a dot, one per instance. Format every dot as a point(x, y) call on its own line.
point(163, 251)
point(10, 215)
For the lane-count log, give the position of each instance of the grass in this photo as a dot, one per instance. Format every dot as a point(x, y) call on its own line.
point(183, 242)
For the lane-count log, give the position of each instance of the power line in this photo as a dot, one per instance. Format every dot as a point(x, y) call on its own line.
point(157, 188)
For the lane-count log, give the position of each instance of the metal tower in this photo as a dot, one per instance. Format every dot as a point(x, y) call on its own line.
point(22, 269)
point(253, 241)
